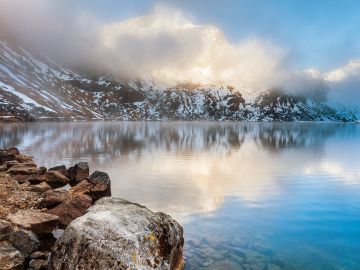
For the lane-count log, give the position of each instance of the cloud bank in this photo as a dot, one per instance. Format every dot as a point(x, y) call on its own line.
point(163, 45)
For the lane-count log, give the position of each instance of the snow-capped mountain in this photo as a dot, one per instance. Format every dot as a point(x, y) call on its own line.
point(35, 87)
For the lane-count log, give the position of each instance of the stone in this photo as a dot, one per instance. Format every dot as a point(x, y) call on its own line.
point(37, 264)
point(23, 240)
point(13, 150)
point(78, 172)
point(3, 168)
point(39, 255)
point(42, 170)
point(22, 169)
point(10, 257)
point(71, 208)
point(82, 188)
point(5, 229)
point(102, 186)
point(11, 163)
point(61, 169)
point(56, 177)
point(53, 197)
point(100, 178)
point(42, 187)
point(20, 178)
point(117, 234)
point(37, 221)
point(5, 156)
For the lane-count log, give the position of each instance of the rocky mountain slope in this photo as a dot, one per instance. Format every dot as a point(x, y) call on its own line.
point(33, 87)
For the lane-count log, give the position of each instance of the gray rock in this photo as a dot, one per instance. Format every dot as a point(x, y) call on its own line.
point(117, 234)
point(101, 185)
point(99, 178)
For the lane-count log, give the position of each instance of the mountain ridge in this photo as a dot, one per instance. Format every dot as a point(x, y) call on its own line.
point(33, 87)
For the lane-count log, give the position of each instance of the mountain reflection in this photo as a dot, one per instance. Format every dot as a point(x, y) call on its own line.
point(108, 140)
point(190, 167)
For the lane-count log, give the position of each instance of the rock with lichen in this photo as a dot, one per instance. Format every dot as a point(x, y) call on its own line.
point(117, 234)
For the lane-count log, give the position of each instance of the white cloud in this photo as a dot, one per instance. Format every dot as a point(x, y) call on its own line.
point(165, 45)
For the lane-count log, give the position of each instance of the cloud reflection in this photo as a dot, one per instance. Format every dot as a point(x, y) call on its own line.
point(191, 167)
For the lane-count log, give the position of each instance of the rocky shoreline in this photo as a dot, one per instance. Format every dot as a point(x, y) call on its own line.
point(65, 218)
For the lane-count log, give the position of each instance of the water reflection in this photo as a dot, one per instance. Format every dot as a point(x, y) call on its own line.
point(250, 195)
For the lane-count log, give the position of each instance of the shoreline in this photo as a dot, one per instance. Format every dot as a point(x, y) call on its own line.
point(39, 208)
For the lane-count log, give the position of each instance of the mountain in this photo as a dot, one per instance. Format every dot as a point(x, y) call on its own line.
point(33, 87)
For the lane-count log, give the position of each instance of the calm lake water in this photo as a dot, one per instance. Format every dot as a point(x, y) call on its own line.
point(249, 195)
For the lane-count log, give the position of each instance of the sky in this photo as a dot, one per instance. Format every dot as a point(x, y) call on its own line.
point(322, 34)
point(259, 44)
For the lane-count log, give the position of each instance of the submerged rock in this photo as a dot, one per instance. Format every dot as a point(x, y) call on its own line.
point(117, 234)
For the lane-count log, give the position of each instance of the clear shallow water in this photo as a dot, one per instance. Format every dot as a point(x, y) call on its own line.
point(249, 195)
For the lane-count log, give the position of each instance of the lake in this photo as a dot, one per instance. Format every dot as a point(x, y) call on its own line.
point(249, 195)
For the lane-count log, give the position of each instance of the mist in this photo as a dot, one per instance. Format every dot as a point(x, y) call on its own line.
point(163, 45)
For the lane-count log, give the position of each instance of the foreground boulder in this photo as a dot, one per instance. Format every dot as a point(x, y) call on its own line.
point(117, 234)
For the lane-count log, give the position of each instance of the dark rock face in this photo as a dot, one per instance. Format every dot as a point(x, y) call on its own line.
point(79, 172)
point(117, 234)
point(101, 185)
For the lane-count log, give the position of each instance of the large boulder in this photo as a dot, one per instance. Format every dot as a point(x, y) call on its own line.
point(117, 234)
